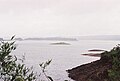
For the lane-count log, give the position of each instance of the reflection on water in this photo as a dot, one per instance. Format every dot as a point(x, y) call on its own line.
point(63, 56)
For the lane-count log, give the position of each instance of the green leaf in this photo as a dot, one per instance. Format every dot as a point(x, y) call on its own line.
point(12, 37)
point(50, 78)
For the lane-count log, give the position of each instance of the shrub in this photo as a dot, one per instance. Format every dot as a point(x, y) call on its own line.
point(10, 69)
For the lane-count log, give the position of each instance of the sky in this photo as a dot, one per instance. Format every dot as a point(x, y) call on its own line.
point(43, 18)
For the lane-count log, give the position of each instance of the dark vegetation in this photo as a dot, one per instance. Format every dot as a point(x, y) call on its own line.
point(105, 69)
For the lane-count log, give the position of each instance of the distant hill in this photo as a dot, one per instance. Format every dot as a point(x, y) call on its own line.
point(75, 38)
point(53, 38)
point(1, 39)
point(100, 37)
point(19, 39)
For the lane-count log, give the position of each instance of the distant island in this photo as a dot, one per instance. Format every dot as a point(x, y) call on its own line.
point(53, 38)
point(18, 39)
point(75, 38)
point(99, 37)
point(60, 43)
point(1, 39)
point(44, 39)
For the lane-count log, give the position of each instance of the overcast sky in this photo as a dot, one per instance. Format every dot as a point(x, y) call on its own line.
point(36, 18)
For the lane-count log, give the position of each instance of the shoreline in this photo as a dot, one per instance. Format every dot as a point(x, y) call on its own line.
point(93, 71)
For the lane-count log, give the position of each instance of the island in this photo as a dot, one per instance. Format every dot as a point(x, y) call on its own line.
point(60, 43)
point(19, 39)
point(96, 50)
point(93, 54)
point(1, 39)
point(52, 39)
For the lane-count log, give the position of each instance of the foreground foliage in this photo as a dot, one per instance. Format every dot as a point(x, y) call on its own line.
point(113, 57)
point(10, 68)
point(14, 69)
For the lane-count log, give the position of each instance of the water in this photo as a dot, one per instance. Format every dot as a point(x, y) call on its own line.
point(63, 57)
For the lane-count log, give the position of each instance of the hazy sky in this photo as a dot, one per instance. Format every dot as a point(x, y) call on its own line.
point(26, 18)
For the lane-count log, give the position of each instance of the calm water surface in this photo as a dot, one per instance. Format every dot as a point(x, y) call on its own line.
point(63, 57)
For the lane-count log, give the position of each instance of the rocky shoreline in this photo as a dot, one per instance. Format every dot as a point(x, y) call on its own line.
point(94, 71)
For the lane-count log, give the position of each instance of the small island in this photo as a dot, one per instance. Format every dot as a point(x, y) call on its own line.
point(96, 50)
point(93, 54)
point(60, 43)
